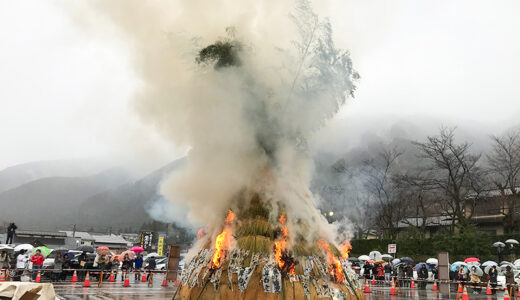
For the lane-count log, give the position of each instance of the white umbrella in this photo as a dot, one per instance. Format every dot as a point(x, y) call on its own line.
point(489, 263)
point(512, 241)
point(153, 254)
point(375, 255)
point(5, 247)
point(487, 268)
point(499, 244)
point(386, 256)
point(432, 261)
point(505, 264)
point(364, 257)
point(396, 261)
point(26, 247)
point(460, 263)
point(517, 263)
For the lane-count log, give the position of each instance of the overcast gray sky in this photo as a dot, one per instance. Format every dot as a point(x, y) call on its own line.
point(65, 93)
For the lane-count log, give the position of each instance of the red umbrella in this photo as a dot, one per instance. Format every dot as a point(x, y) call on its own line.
point(137, 249)
point(471, 259)
point(102, 248)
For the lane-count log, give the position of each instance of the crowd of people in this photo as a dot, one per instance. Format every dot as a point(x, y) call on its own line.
point(64, 266)
point(386, 272)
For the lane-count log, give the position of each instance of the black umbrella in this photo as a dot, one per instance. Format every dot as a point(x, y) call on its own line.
point(86, 248)
point(407, 260)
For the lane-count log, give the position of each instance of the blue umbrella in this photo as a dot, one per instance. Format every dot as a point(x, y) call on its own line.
point(70, 255)
point(419, 266)
point(455, 265)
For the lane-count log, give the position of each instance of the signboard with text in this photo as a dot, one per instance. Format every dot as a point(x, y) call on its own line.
point(160, 245)
point(392, 248)
point(146, 240)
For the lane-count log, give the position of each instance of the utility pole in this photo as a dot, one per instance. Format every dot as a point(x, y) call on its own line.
point(74, 231)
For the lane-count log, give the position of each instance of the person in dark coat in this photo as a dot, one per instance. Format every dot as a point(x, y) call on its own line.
point(510, 280)
point(126, 267)
point(11, 231)
point(409, 275)
point(366, 270)
point(138, 264)
point(82, 260)
point(500, 254)
point(388, 272)
point(423, 276)
point(493, 278)
point(151, 266)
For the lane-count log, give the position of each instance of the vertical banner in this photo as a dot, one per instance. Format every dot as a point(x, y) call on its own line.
point(146, 240)
point(160, 245)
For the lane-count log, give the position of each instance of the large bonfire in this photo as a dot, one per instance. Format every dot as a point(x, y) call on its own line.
point(247, 102)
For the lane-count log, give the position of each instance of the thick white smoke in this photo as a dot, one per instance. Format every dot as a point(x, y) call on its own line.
point(247, 124)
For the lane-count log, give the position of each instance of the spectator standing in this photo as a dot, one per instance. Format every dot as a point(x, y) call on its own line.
point(510, 280)
point(423, 276)
point(138, 264)
point(11, 231)
point(37, 261)
point(151, 266)
point(5, 260)
point(409, 274)
point(493, 278)
point(21, 262)
point(82, 260)
point(388, 272)
point(500, 254)
point(127, 265)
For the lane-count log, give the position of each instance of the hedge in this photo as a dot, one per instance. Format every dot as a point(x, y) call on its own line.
point(460, 246)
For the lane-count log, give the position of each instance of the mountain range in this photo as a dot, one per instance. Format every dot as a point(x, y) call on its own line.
point(58, 195)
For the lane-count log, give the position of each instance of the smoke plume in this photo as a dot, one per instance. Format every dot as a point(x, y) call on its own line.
point(247, 112)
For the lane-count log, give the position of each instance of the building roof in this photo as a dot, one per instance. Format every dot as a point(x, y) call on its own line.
point(79, 234)
point(493, 193)
point(50, 234)
point(110, 239)
point(430, 222)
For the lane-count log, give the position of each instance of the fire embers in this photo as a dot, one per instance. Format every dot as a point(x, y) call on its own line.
point(284, 260)
point(223, 242)
point(345, 248)
point(335, 268)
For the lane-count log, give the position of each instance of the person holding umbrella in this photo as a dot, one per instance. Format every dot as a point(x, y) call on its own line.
point(127, 265)
point(37, 261)
point(151, 266)
point(510, 280)
point(21, 262)
point(138, 264)
point(423, 276)
point(82, 260)
point(493, 278)
point(475, 279)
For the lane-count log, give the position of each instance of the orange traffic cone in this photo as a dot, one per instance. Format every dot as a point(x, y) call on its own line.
point(127, 281)
point(459, 290)
point(164, 282)
point(86, 283)
point(412, 285)
point(506, 294)
point(367, 287)
point(144, 279)
point(488, 289)
point(38, 277)
point(111, 277)
point(465, 295)
point(393, 291)
point(74, 277)
point(435, 287)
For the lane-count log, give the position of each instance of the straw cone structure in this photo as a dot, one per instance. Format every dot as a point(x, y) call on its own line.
point(255, 240)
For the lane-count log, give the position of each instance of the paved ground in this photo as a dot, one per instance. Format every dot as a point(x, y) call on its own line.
point(140, 290)
point(382, 293)
point(115, 290)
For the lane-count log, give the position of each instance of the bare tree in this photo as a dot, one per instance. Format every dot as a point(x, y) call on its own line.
point(454, 172)
point(504, 166)
point(387, 208)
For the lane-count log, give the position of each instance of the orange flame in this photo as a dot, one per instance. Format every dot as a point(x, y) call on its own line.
point(223, 241)
point(335, 268)
point(345, 248)
point(280, 247)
